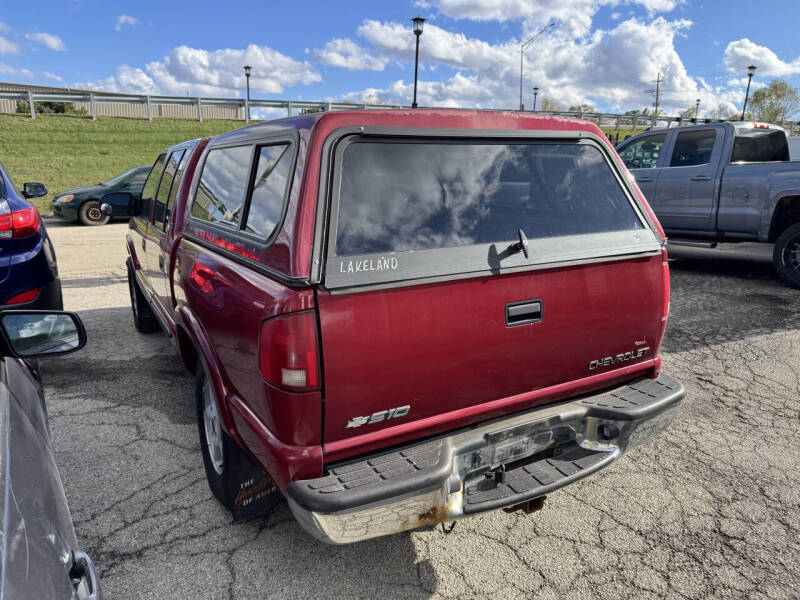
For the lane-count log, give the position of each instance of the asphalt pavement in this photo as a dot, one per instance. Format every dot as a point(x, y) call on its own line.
point(710, 509)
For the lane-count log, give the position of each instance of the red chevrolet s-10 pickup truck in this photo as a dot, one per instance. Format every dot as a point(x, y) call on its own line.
point(405, 317)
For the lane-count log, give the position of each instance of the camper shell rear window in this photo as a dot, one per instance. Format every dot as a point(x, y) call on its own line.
point(404, 208)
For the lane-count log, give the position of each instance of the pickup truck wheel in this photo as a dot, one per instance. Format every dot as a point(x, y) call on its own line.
point(143, 318)
point(221, 455)
point(89, 214)
point(786, 256)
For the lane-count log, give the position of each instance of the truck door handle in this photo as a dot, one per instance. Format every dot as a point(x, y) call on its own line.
point(527, 311)
point(701, 178)
point(644, 180)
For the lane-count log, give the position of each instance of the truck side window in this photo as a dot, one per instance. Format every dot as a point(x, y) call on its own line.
point(644, 152)
point(693, 148)
point(759, 145)
point(160, 211)
point(269, 188)
point(149, 189)
point(220, 193)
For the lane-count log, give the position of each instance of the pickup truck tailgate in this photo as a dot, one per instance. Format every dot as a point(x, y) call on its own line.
point(431, 314)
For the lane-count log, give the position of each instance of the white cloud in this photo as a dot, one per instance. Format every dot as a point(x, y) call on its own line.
point(346, 53)
point(439, 45)
point(743, 52)
point(52, 76)
point(573, 16)
point(654, 6)
point(3, 26)
point(611, 68)
point(123, 20)
point(210, 73)
point(7, 46)
point(50, 40)
point(15, 71)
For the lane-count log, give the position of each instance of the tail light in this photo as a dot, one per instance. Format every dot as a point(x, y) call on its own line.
point(665, 291)
point(20, 223)
point(665, 276)
point(288, 351)
point(23, 297)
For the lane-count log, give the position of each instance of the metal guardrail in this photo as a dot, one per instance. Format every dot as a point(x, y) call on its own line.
point(95, 98)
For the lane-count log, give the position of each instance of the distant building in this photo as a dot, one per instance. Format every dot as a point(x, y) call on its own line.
point(128, 106)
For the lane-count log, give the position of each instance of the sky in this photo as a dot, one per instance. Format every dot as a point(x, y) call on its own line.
point(605, 53)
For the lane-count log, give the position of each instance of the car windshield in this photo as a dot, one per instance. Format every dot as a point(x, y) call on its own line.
point(117, 178)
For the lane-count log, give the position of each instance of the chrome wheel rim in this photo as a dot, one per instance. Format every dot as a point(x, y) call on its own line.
point(792, 254)
point(212, 428)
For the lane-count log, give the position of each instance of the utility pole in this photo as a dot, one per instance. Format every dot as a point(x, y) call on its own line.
point(524, 46)
point(658, 83)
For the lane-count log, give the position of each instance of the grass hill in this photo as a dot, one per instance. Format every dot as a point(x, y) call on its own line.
point(66, 152)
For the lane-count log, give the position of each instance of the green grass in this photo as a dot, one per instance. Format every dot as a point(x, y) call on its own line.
point(66, 152)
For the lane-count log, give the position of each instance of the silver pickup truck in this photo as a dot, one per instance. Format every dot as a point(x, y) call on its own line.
point(722, 182)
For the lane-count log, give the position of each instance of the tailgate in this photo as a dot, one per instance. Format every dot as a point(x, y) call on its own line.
point(431, 313)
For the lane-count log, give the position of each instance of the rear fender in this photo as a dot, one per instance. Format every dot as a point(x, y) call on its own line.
point(769, 228)
point(190, 324)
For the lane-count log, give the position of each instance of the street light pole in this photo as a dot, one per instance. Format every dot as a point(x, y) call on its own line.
point(696, 109)
point(418, 22)
point(535, 93)
point(247, 69)
point(751, 70)
point(524, 46)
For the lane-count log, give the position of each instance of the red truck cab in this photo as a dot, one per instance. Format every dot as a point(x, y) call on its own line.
point(407, 317)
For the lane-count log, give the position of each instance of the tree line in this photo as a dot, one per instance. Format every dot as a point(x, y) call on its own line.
point(776, 103)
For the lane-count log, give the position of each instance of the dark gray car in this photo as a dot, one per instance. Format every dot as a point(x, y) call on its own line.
point(39, 556)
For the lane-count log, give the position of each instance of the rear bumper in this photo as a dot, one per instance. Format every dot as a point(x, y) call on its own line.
point(49, 298)
point(498, 464)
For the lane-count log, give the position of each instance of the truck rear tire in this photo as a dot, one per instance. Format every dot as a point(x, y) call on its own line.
point(143, 318)
point(786, 256)
point(89, 214)
point(222, 457)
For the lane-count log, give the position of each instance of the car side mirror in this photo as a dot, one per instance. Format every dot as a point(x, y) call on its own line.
point(39, 333)
point(118, 204)
point(34, 190)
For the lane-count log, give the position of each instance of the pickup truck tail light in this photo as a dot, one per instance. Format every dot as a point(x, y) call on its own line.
point(665, 291)
point(20, 223)
point(665, 275)
point(288, 351)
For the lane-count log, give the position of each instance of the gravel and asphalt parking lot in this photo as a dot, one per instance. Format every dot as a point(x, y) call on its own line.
point(710, 509)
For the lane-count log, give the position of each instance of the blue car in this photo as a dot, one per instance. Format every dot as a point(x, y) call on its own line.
point(28, 270)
